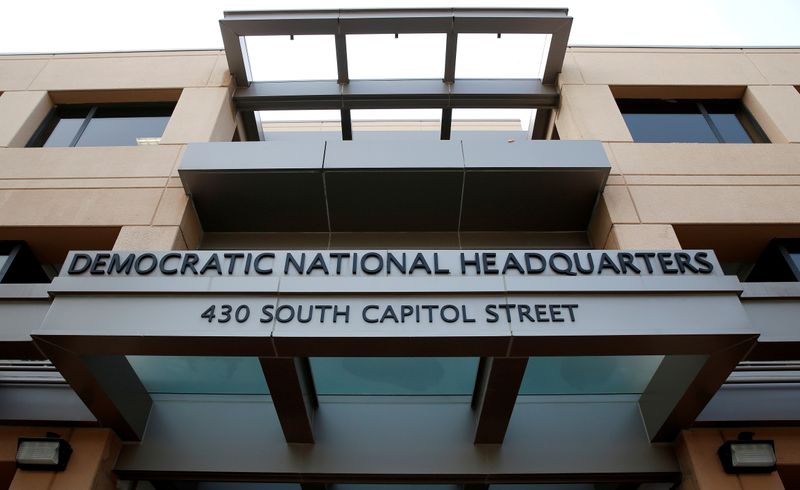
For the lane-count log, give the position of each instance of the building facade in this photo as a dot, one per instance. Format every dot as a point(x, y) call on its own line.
point(602, 301)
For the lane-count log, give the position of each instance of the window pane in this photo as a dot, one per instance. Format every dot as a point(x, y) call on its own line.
point(730, 128)
point(411, 55)
point(510, 56)
point(3, 260)
point(123, 131)
point(669, 128)
point(394, 375)
point(589, 375)
point(64, 132)
point(200, 375)
point(280, 58)
point(794, 256)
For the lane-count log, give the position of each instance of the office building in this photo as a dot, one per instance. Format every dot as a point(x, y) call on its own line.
point(196, 293)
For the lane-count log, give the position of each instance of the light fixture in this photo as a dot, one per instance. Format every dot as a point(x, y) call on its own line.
point(746, 455)
point(50, 453)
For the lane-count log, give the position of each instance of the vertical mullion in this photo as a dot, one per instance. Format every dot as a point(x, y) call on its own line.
point(85, 123)
point(710, 122)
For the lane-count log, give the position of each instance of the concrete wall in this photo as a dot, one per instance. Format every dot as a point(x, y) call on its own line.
point(135, 190)
point(655, 187)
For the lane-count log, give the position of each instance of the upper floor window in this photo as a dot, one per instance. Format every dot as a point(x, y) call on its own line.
point(689, 121)
point(104, 125)
point(780, 262)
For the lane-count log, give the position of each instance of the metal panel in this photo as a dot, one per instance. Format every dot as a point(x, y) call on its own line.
point(753, 404)
point(292, 390)
point(23, 306)
point(262, 186)
point(390, 185)
point(387, 94)
point(43, 404)
point(374, 441)
point(495, 397)
point(774, 308)
point(395, 185)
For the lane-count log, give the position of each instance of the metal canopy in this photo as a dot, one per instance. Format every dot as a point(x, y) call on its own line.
point(345, 94)
point(343, 186)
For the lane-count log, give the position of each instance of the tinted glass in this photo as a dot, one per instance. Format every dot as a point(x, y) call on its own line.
point(64, 132)
point(669, 128)
point(3, 260)
point(794, 256)
point(200, 375)
point(123, 131)
point(588, 375)
point(394, 375)
point(730, 128)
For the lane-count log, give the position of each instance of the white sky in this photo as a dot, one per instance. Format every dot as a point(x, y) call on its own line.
point(57, 26)
point(47, 26)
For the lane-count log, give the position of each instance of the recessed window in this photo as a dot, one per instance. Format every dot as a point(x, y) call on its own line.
point(104, 125)
point(689, 121)
point(18, 265)
point(780, 262)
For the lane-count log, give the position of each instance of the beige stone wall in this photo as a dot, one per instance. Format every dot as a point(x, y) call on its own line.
point(656, 189)
point(48, 193)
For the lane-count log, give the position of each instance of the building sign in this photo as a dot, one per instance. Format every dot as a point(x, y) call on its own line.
point(416, 263)
point(319, 293)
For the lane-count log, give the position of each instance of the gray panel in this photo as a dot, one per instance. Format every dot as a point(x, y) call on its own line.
point(354, 155)
point(777, 404)
point(418, 187)
point(253, 186)
point(394, 200)
point(258, 155)
point(25, 404)
point(414, 438)
point(530, 200)
point(394, 185)
point(539, 154)
point(258, 201)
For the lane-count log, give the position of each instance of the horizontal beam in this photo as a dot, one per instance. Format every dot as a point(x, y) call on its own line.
point(387, 94)
point(391, 21)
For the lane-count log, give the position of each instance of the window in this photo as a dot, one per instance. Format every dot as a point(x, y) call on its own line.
point(689, 121)
point(18, 265)
point(103, 125)
point(780, 262)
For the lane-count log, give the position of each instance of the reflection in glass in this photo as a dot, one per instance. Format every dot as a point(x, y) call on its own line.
point(730, 128)
point(200, 375)
point(122, 131)
point(64, 132)
point(588, 375)
point(394, 375)
point(669, 128)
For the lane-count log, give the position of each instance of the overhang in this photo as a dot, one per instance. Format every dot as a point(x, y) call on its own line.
point(481, 184)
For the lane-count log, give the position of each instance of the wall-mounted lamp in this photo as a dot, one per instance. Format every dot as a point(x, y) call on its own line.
point(50, 453)
point(745, 455)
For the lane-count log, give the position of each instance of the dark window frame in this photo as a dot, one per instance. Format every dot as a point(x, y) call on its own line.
point(775, 264)
point(21, 266)
point(90, 111)
point(704, 107)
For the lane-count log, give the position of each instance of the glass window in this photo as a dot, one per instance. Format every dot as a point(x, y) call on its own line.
point(200, 375)
point(689, 121)
point(394, 375)
point(109, 125)
point(588, 375)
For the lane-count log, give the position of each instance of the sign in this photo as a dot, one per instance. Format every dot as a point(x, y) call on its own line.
point(391, 263)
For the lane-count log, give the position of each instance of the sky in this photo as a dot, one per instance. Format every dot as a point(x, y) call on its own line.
point(50, 26)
